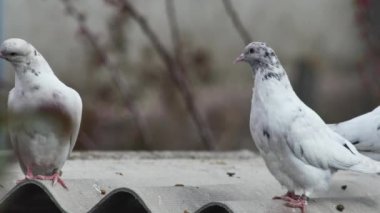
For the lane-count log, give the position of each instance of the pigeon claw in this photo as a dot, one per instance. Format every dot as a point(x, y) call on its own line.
point(294, 201)
point(289, 196)
point(29, 175)
point(56, 178)
point(301, 204)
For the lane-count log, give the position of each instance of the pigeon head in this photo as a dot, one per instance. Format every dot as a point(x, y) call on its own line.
point(258, 54)
point(15, 50)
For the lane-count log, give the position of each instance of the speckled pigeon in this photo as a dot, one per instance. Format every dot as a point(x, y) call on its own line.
point(299, 149)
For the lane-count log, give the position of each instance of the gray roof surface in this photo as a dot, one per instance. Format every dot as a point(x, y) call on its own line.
point(178, 182)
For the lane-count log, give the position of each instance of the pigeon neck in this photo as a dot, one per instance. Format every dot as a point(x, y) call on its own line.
point(32, 73)
point(272, 87)
point(272, 76)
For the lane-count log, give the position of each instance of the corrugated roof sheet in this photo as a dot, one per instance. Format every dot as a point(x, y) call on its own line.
point(178, 182)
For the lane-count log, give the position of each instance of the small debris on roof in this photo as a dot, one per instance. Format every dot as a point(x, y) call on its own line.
point(344, 187)
point(179, 185)
point(185, 211)
point(220, 162)
point(230, 174)
point(103, 192)
point(98, 189)
point(340, 207)
point(119, 173)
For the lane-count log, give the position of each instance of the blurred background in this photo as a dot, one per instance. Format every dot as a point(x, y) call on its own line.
point(158, 74)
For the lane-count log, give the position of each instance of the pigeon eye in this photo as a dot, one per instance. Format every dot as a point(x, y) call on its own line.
point(12, 54)
point(251, 51)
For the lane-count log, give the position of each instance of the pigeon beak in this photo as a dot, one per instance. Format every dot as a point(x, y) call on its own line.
point(240, 58)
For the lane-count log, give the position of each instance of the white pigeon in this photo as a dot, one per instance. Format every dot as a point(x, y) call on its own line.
point(363, 132)
point(299, 149)
point(44, 113)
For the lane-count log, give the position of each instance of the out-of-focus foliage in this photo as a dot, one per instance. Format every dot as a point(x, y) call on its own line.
point(368, 22)
point(324, 76)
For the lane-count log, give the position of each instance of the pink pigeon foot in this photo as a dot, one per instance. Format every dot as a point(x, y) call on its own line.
point(29, 176)
point(300, 203)
point(289, 196)
point(293, 200)
point(54, 177)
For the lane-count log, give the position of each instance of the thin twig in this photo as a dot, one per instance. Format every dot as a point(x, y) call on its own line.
point(174, 70)
point(174, 29)
point(114, 71)
point(244, 34)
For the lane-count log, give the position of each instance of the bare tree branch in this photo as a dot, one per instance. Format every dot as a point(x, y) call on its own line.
point(244, 34)
point(174, 29)
point(174, 70)
point(114, 70)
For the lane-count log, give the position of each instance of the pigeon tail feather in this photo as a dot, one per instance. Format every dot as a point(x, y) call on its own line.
point(367, 165)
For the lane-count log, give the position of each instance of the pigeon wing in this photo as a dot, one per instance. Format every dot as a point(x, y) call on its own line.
point(311, 141)
point(76, 116)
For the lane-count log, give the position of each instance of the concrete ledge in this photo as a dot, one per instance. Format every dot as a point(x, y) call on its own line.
point(165, 182)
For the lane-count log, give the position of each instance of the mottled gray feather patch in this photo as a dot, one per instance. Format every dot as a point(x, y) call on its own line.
point(266, 134)
point(35, 88)
point(270, 75)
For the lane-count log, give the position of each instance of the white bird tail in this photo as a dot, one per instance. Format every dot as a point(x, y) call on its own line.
point(367, 165)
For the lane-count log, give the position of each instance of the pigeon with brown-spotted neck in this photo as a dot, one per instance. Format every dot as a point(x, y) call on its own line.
point(299, 149)
point(44, 113)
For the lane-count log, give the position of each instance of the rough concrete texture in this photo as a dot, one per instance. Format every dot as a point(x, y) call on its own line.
point(178, 182)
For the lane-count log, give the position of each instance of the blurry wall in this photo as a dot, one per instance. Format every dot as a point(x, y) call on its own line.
point(316, 39)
